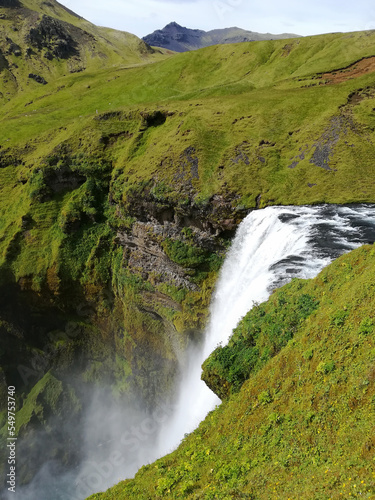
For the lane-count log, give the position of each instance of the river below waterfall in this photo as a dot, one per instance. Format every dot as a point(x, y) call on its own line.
point(271, 246)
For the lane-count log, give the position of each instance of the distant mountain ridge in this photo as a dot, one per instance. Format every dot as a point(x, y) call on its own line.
point(180, 39)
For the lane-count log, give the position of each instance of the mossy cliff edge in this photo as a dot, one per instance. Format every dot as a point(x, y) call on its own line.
point(124, 172)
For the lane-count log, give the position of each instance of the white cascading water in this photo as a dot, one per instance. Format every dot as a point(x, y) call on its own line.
point(271, 246)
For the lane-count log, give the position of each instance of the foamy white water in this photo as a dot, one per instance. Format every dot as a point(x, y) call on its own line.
point(271, 246)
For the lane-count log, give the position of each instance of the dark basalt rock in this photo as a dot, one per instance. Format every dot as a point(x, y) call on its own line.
point(54, 36)
point(10, 3)
point(154, 119)
point(63, 179)
point(38, 78)
point(217, 217)
point(8, 158)
point(13, 47)
point(4, 64)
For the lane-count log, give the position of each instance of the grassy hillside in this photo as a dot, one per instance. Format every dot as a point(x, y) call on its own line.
point(302, 423)
point(42, 41)
point(263, 107)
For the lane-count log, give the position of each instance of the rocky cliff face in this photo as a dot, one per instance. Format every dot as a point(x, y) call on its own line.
point(127, 293)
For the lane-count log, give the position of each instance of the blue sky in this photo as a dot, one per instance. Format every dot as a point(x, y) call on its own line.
point(142, 17)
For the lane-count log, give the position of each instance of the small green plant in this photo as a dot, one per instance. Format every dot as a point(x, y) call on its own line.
point(275, 418)
point(265, 397)
point(309, 417)
point(366, 326)
point(308, 354)
point(160, 191)
point(338, 318)
point(325, 367)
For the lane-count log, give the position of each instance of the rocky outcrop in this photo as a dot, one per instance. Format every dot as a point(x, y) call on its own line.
point(63, 179)
point(38, 78)
point(4, 64)
point(145, 255)
point(13, 47)
point(214, 217)
point(169, 242)
point(53, 36)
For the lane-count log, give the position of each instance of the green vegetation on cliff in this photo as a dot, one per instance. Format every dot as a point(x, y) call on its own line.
point(302, 423)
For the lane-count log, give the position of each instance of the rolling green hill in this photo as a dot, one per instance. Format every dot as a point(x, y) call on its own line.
point(42, 41)
point(123, 175)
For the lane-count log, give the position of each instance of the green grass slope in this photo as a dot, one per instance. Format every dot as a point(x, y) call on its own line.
point(48, 41)
point(264, 122)
point(302, 423)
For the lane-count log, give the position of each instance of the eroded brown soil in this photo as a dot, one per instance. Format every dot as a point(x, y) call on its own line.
point(360, 68)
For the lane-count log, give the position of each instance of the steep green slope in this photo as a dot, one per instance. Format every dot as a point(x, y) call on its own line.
point(170, 134)
point(42, 41)
point(301, 426)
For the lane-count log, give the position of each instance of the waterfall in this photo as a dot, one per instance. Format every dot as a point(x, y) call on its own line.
point(271, 247)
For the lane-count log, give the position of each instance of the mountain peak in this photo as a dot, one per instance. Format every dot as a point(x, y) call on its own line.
point(180, 39)
point(173, 24)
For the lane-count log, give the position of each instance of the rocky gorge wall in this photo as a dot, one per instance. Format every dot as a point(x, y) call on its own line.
point(122, 290)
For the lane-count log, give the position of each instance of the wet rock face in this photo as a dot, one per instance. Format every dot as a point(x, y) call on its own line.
point(54, 36)
point(169, 242)
point(4, 64)
point(145, 254)
point(214, 217)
